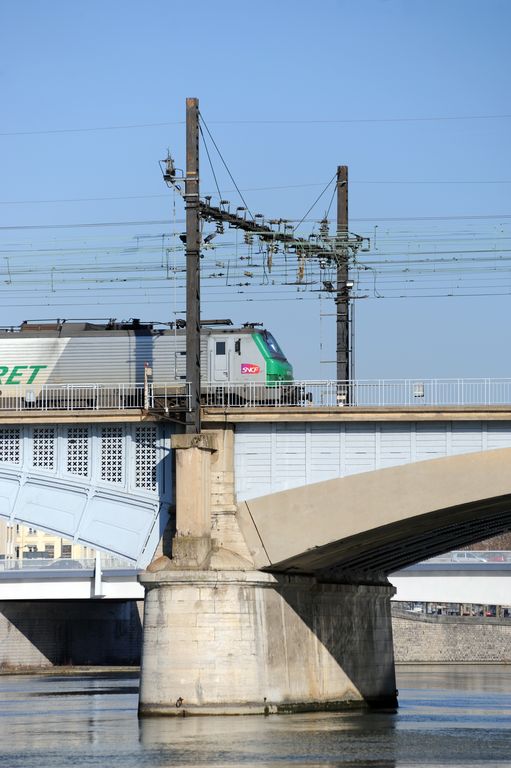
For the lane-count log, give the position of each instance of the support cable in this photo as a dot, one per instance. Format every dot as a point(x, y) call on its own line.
point(225, 164)
point(210, 162)
point(315, 202)
point(331, 201)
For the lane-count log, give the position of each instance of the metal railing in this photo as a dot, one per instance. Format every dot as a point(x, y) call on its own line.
point(469, 557)
point(361, 393)
point(64, 564)
point(175, 396)
point(96, 397)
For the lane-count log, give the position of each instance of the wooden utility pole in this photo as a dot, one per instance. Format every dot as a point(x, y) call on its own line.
point(273, 232)
point(192, 264)
point(342, 298)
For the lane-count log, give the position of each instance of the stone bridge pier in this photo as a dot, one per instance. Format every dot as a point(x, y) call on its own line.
point(224, 636)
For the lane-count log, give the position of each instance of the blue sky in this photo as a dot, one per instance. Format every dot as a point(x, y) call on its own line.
point(102, 63)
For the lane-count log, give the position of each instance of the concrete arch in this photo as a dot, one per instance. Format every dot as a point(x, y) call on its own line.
point(377, 522)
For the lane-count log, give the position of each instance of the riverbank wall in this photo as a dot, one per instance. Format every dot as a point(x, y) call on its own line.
point(420, 638)
point(47, 633)
point(43, 634)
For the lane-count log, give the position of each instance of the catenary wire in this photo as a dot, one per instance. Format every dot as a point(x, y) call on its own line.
point(130, 126)
point(249, 189)
point(369, 219)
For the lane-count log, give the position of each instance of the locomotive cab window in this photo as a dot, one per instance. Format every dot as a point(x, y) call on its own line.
point(220, 347)
point(273, 347)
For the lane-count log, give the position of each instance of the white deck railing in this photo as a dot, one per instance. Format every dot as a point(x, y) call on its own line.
point(96, 397)
point(175, 396)
point(107, 562)
point(363, 393)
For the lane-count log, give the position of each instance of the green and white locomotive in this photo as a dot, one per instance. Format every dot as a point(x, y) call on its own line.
point(37, 355)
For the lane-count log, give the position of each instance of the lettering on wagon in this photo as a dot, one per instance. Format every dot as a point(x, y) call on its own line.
point(20, 374)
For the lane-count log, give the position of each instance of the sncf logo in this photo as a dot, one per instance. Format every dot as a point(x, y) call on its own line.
point(250, 368)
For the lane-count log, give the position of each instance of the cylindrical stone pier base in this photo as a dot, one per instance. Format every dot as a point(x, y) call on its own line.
point(241, 642)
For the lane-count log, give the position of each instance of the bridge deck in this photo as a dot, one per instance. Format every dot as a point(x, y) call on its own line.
point(265, 414)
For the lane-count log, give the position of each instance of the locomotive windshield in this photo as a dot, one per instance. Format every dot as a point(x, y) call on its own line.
point(273, 347)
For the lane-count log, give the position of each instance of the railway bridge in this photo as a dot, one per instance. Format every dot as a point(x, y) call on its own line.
point(269, 591)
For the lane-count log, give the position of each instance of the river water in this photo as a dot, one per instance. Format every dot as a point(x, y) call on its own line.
point(448, 716)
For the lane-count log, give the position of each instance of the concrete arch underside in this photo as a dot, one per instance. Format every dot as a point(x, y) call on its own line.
point(378, 522)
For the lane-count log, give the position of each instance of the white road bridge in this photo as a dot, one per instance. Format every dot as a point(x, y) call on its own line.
point(482, 578)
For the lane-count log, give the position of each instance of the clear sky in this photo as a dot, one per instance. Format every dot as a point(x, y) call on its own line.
point(370, 72)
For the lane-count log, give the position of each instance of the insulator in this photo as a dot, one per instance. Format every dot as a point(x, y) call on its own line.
point(169, 174)
point(249, 238)
point(323, 229)
point(220, 227)
point(301, 269)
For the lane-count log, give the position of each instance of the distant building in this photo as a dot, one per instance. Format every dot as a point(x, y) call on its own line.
point(20, 542)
